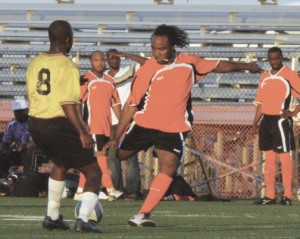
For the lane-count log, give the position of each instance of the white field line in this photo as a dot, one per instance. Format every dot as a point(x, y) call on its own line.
point(22, 218)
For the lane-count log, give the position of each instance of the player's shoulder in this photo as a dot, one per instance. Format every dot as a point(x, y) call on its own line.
point(188, 58)
point(288, 70)
point(108, 78)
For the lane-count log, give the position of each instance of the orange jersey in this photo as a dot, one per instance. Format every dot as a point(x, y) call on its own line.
point(101, 96)
point(275, 91)
point(162, 92)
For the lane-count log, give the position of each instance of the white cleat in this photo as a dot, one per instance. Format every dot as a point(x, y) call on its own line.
point(141, 220)
point(103, 196)
point(77, 196)
point(113, 194)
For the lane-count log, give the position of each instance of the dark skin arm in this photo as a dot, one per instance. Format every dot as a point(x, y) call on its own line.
point(230, 66)
point(289, 113)
point(117, 110)
point(139, 59)
point(126, 117)
point(71, 111)
point(257, 118)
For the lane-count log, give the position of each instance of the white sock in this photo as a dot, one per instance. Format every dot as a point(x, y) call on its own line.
point(79, 190)
point(55, 190)
point(88, 204)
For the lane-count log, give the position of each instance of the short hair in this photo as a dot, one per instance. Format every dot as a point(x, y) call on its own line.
point(59, 31)
point(275, 49)
point(109, 51)
point(91, 56)
point(176, 36)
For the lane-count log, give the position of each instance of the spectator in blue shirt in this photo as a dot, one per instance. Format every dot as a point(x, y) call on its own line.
point(17, 135)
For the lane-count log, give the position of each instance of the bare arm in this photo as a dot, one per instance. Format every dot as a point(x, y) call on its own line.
point(117, 110)
point(289, 113)
point(126, 117)
point(139, 59)
point(71, 111)
point(229, 66)
point(257, 118)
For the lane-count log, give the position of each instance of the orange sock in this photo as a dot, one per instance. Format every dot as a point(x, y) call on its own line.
point(158, 189)
point(269, 174)
point(106, 177)
point(287, 173)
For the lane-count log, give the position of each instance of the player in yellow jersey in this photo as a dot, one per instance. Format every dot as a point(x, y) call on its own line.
point(57, 127)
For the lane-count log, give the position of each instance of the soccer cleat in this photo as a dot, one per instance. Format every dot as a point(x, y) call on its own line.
point(266, 201)
point(141, 220)
point(286, 201)
point(50, 224)
point(133, 197)
point(103, 196)
point(113, 194)
point(65, 193)
point(77, 196)
point(81, 226)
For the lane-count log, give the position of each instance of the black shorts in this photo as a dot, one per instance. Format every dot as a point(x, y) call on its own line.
point(276, 133)
point(138, 138)
point(101, 140)
point(59, 140)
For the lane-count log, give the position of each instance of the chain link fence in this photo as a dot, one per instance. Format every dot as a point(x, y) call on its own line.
point(221, 156)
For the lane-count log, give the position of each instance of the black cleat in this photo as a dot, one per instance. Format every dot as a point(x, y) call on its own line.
point(81, 226)
point(60, 224)
point(286, 201)
point(265, 201)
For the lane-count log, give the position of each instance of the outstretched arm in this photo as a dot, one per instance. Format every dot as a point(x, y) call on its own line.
point(229, 66)
point(139, 59)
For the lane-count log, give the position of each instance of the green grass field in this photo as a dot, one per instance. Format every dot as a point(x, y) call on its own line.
point(21, 218)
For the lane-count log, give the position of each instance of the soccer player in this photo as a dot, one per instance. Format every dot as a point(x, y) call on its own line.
point(276, 135)
point(99, 95)
point(123, 77)
point(159, 104)
point(57, 127)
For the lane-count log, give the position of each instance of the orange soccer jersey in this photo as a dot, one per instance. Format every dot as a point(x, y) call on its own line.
point(275, 91)
point(162, 92)
point(101, 96)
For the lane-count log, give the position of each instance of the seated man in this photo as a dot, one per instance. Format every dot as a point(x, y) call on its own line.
point(17, 135)
point(24, 153)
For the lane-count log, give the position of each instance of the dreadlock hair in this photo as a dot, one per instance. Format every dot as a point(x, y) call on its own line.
point(275, 49)
point(176, 36)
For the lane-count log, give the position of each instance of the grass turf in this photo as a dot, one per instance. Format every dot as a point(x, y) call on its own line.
point(21, 218)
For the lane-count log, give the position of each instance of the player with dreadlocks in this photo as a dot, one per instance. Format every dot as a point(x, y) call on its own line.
point(160, 106)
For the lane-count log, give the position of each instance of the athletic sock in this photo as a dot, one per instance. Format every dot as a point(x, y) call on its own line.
point(270, 173)
point(55, 191)
point(88, 203)
point(106, 177)
point(158, 189)
point(81, 183)
point(287, 173)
